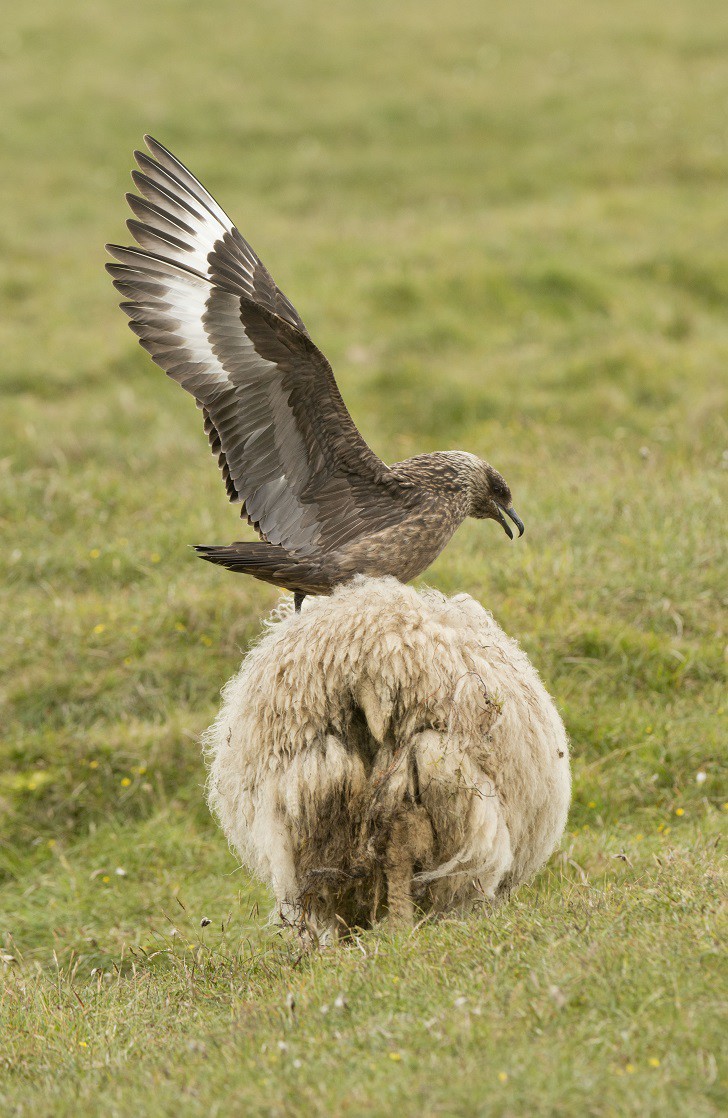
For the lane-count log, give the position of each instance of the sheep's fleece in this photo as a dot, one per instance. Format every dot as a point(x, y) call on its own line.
point(387, 750)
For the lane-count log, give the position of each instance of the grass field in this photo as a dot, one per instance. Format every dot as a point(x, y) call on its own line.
point(507, 227)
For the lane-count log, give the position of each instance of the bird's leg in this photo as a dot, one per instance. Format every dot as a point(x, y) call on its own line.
point(298, 596)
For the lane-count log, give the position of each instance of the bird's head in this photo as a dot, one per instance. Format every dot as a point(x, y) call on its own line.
point(490, 496)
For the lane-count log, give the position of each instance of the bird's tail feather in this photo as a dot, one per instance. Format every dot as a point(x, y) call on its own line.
point(270, 563)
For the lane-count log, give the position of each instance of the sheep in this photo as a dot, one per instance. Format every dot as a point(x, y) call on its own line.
point(384, 751)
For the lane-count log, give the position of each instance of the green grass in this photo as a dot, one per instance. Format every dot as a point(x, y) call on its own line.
point(506, 226)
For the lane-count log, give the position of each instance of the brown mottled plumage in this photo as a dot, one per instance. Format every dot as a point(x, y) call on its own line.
point(325, 506)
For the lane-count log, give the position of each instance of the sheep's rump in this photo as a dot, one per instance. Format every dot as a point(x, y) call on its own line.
point(386, 748)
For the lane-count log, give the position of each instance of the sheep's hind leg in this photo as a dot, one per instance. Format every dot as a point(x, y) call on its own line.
point(399, 868)
point(410, 840)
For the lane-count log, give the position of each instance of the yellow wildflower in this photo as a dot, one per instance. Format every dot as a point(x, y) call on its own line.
point(653, 1062)
point(99, 628)
point(155, 557)
point(125, 781)
point(503, 1076)
point(94, 553)
point(679, 810)
point(395, 1056)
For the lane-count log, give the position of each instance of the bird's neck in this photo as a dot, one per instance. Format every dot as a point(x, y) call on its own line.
point(450, 470)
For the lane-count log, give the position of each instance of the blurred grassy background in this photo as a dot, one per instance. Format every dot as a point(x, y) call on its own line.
point(506, 228)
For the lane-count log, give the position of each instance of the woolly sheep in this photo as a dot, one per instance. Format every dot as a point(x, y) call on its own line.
point(387, 748)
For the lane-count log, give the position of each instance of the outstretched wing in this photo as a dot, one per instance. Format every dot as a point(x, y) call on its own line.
point(207, 310)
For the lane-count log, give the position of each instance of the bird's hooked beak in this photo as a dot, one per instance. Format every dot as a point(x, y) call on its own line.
point(514, 517)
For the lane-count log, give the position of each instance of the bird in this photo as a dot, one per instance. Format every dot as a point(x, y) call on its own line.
point(324, 505)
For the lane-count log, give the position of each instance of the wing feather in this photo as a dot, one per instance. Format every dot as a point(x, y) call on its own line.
point(207, 310)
